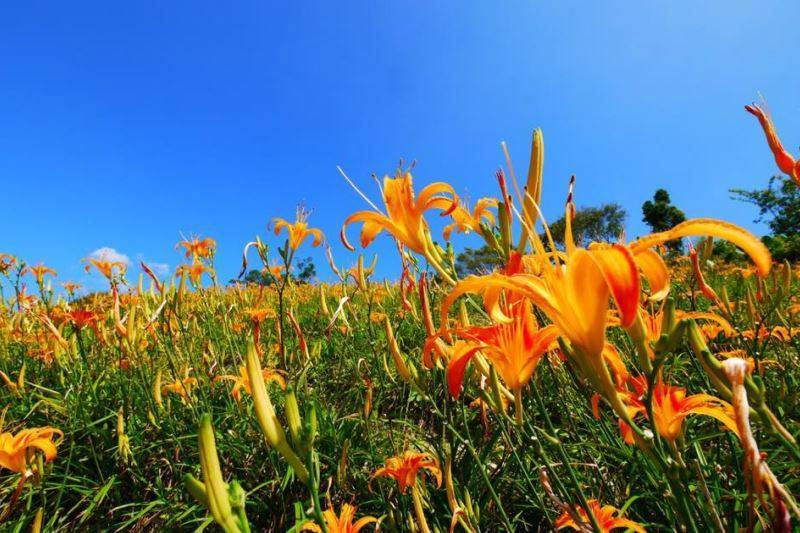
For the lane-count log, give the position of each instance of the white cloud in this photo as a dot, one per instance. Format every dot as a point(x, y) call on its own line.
point(107, 253)
point(160, 269)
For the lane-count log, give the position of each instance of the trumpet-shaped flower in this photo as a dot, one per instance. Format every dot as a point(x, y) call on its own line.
point(198, 248)
point(405, 468)
point(465, 220)
point(299, 231)
point(39, 272)
point(195, 271)
point(104, 266)
point(181, 387)
point(242, 381)
point(16, 450)
point(6, 262)
point(342, 523)
point(405, 218)
point(608, 518)
point(786, 163)
point(514, 348)
point(671, 406)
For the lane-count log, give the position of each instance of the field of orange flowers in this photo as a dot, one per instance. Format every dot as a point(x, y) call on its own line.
point(616, 386)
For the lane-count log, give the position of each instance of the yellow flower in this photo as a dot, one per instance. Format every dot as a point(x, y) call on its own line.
point(299, 231)
point(342, 523)
point(16, 451)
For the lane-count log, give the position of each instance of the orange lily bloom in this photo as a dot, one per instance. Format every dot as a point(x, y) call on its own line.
point(242, 381)
point(195, 271)
point(71, 287)
point(198, 248)
point(276, 270)
point(405, 468)
point(784, 159)
point(6, 262)
point(16, 451)
point(405, 213)
point(342, 523)
point(82, 318)
point(671, 406)
point(608, 518)
point(181, 387)
point(465, 221)
point(299, 231)
point(39, 272)
point(104, 266)
point(514, 348)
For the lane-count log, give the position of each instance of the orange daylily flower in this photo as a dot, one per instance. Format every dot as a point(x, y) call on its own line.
point(260, 314)
point(71, 287)
point(195, 271)
point(342, 523)
point(81, 318)
point(786, 163)
point(181, 387)
point(242, 381)
point(608, 518)
point(465, 221)
point(514, 348)
point(39, 272)
point(6, 262)
point(671, 406)
point(405, 468)
point(104, 266)
point(405, 213)
point(276, 271)
point(16, 451)
point(198, 248)
point(575, 296)
point(299, 231)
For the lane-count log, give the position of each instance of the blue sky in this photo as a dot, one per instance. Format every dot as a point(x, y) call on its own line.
point(125, 125)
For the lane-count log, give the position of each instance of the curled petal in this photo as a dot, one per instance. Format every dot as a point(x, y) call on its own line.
point(712, 228)
point(655, 272)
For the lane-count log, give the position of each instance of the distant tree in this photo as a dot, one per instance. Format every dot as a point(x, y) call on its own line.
point(306, 271)
point(592, 224)
point(604, 223)
point(477, 261)
point(661, 215)
point(778, 206)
